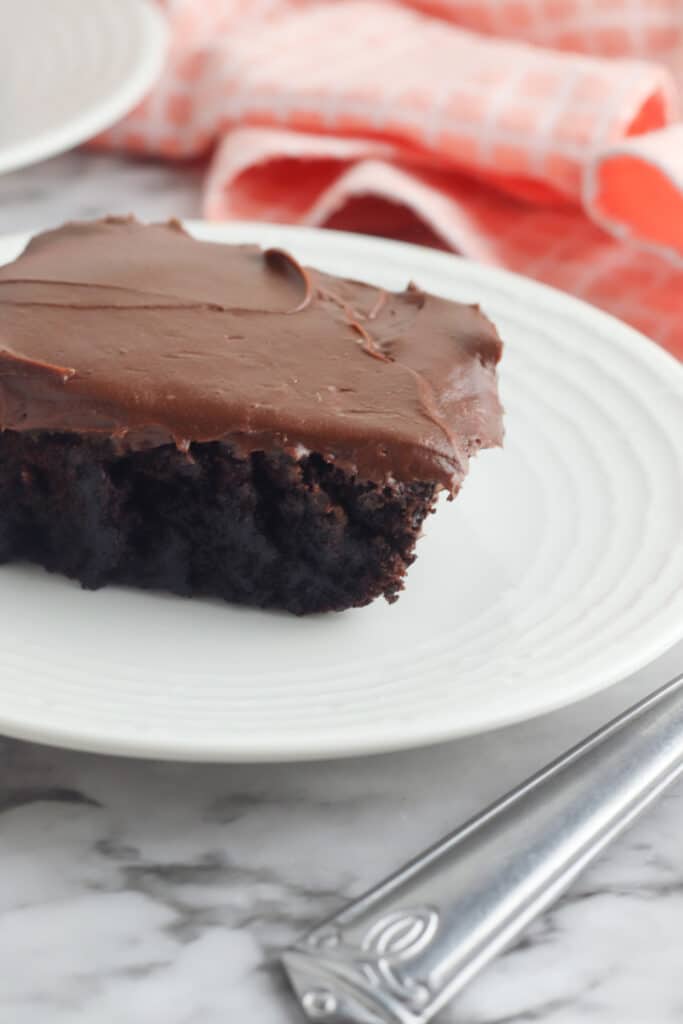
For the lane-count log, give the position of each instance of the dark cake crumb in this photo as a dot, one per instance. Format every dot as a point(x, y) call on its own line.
point(264, 529)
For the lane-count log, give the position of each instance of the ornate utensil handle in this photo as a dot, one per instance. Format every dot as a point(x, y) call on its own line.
point(402, 951)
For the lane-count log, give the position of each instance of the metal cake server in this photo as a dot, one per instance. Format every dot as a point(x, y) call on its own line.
point(403, 950)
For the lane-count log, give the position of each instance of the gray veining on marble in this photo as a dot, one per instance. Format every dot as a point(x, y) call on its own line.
point(143, 893)
point(81, 185)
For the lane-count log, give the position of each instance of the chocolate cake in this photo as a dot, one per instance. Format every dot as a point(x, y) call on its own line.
point(215, 419)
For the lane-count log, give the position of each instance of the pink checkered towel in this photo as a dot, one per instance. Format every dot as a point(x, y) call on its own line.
point(541, 135)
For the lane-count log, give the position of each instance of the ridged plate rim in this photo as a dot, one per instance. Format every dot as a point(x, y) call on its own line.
point(144, 37)
point(600, 336)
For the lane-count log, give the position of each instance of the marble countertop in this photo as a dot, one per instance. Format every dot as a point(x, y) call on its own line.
point(151, 893)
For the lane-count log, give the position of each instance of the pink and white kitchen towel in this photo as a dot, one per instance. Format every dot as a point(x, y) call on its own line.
point(539, 135)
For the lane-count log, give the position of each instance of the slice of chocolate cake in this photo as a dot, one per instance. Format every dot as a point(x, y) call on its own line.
point(215, 419)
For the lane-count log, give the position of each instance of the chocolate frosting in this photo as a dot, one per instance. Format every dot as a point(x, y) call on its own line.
point(149, 336)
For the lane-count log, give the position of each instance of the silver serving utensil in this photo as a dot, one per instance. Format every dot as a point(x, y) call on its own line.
point(403, 950)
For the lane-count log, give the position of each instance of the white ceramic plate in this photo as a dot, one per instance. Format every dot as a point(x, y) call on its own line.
point(69, 69)
point(558, 570)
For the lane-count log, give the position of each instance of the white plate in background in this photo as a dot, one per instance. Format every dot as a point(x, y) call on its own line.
point(71, 68)
point(556, 572)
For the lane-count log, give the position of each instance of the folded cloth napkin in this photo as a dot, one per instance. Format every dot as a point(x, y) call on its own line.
point(540, 135)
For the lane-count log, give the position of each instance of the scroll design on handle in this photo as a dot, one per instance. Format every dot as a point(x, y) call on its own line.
point(383, 955)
